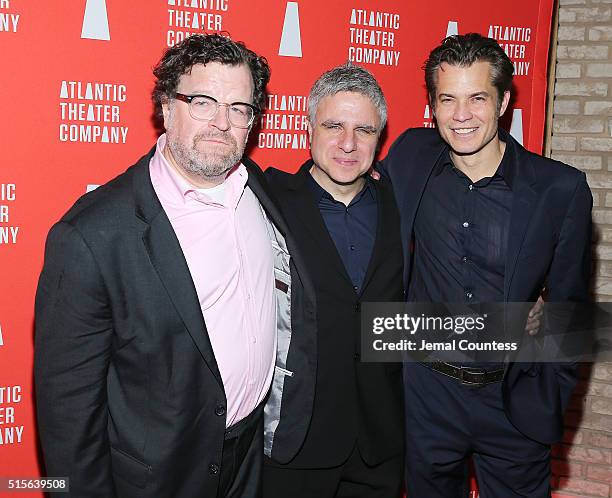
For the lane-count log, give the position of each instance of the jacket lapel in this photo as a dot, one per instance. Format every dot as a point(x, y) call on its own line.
point(417, 177)
point(384, 224)
point(304, 207)
point(524, 199)
point(257, 183)
point(167, 258)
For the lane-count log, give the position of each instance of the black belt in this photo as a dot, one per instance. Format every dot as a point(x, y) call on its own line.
point(467, 375)
point(246, 423)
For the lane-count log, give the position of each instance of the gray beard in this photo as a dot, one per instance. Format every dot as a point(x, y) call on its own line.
point(206, 165)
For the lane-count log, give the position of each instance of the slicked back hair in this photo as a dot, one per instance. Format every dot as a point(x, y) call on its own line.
point(347, 78)
point(202, 49)
point(465, 50)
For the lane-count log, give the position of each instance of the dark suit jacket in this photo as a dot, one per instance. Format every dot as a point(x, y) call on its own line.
point(129, 396)
point(354, 401)
point(549, 245)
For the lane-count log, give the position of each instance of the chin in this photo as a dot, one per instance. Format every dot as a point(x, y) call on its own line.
point(346, 180)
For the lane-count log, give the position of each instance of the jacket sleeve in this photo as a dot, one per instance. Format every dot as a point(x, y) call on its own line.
point(568, 282)
point(570, 270)
point(73, 334)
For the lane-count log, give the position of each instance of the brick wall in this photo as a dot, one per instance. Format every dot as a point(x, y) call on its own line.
point(581, 136)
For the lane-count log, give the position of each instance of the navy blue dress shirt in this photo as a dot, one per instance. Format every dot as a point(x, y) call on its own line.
point(352, 227)
point(461, 236)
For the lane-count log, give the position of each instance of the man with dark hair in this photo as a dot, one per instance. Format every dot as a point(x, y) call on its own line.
point(346, 440)
point(485, 221)
point(163, 297)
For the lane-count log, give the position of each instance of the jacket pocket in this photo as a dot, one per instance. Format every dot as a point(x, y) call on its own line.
point(129, 468)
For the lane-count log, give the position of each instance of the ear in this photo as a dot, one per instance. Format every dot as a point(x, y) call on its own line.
point(505, 102)
point(309, 133)
point(165, 105)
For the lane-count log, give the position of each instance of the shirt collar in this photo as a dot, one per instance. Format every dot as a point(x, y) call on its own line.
point(319, 192)
point(504, 171)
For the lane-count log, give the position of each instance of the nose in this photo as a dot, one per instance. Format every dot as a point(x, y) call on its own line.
point(221, 118)
point(347, 141)
point(462, 112)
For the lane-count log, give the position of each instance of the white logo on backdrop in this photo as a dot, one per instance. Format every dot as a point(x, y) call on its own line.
point(285, 123)
point(291, 40)
point(95, 21)
point(516, 127)
point(452, 29)
point(8, 20)
point(90, 187)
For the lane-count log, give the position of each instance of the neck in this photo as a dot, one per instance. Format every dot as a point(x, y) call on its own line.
point(197, 181)
point(482, 164)
point(343, 193)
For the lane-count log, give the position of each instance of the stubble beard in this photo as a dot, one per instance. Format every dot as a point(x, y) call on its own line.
point(209, 165)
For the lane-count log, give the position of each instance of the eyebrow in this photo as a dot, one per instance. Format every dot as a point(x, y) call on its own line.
point(476, 94)
point(366, 127)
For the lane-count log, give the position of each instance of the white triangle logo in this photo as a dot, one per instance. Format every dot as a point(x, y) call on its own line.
point(64, 91)
point(95, 21)
point(516, 128)
point(291, 40)
point(452, 29)
point(1, 340)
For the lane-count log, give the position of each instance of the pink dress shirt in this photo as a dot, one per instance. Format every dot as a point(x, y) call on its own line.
point(224, 238)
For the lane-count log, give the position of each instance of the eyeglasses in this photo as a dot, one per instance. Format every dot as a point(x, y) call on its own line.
point(204, 108)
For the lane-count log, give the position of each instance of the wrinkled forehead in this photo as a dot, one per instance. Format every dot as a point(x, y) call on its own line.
point(348, 107)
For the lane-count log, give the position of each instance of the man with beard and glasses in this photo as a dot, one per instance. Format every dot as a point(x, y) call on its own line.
point(164, 296)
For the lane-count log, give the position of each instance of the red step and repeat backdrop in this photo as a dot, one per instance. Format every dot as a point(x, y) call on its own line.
point(76, 110)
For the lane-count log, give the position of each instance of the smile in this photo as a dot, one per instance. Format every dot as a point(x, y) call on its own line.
point(464, 131)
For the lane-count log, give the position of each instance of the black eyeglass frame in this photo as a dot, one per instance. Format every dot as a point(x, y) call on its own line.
point(188, 98)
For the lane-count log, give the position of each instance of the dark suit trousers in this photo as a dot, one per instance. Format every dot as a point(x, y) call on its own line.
point(352, 479)
point(447, 423)
point(242, 458)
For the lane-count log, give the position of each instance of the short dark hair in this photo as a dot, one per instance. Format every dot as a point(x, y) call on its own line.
point(465, 50)
point(202, 49)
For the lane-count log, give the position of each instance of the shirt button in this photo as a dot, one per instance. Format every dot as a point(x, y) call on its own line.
point(469, 295)
point(464, 259)
point(352, 247)
point(471, 187)
point(219, 410)
point(355, 287)
point(213, 469)
point(254, 340)
point(466, 224)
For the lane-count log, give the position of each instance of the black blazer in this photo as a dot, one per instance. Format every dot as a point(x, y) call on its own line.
point(129, 396)
point(549, 245)
point(354, 401)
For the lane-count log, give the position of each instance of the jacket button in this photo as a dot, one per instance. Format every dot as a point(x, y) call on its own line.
point(213, 468)
point(357, 307)
point(220, 410)
point(357, 356)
